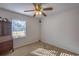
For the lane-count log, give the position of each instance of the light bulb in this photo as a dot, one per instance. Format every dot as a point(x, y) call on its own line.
point(40, 13)
point(37, 13)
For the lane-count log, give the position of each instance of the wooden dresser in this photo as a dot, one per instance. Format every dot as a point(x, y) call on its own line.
point(6, 41)
point(6, 44)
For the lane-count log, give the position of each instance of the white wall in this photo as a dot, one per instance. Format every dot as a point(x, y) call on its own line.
point(62, 30)
point(32, 30)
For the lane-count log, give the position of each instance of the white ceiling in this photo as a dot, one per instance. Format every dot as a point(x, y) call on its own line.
point(20, 7)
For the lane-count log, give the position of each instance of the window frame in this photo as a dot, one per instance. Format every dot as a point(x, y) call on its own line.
point(24, 31)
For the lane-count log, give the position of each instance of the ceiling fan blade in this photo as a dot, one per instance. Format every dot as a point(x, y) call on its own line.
point(34, 4)
point(49, 8)
point(37, 5)
point(44, 14)
point(28, 10)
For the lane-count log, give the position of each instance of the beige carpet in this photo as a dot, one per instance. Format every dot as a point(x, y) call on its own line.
point(28, 49)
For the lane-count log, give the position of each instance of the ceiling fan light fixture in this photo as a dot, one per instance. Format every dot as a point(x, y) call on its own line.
point(39, 10)
point(38, 13)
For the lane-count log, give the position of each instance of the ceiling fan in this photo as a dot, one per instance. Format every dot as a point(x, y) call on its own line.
point(39, 10)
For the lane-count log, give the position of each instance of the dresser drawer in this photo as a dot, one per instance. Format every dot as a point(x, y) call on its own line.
point(6, 46)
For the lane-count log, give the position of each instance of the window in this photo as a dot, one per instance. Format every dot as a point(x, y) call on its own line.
point(18, 28)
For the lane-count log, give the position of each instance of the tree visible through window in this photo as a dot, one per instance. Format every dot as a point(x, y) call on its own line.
point(18, 28)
